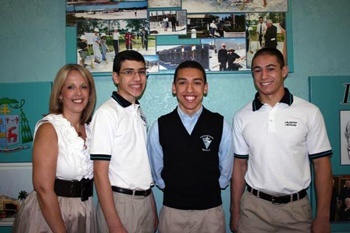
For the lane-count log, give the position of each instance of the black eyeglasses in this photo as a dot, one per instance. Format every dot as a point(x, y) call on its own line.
point(142, 73)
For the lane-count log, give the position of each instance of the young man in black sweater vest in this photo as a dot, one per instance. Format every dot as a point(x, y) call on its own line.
point(191, 156)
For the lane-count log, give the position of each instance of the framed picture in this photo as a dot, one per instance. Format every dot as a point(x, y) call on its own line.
point(331, 94)
point(13, 193)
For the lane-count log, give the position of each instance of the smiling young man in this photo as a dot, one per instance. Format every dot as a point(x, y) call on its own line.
point(191, 155)
point(275, 139)
point(118, 147)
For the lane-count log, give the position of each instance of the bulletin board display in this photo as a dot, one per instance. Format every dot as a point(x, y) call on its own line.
point(168, 32)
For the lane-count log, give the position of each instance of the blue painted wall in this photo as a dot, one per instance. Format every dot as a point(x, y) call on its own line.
point(33, 48)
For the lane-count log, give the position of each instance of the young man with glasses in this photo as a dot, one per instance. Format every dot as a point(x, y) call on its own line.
point(118, 147)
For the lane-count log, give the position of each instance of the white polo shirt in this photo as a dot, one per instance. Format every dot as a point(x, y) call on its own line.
point(119, 136)
point(279, 142)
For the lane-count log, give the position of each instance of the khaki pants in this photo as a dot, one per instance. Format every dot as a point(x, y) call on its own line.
point(258, 215)
point(192, 221)
point(135, 213)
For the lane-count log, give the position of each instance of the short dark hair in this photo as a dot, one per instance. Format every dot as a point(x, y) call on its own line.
point(191, 64)
point(270, 51)
point(130, 55)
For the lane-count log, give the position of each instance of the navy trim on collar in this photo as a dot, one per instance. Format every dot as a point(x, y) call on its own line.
point(121, 101)
point(287, 99)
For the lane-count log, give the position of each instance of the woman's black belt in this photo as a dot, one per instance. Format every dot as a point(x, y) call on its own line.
point(67, 188)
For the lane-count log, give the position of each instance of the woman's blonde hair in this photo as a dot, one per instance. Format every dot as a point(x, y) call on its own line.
point(56, 105)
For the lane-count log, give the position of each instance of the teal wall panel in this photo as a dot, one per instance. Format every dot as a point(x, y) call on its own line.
point(330, 94)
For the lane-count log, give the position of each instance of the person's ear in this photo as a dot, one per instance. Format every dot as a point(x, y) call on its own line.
point(115, 77)
point(173, 89)
point(285, 71)
point(205, 89)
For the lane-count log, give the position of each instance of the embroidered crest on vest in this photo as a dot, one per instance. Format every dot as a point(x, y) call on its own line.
point(207, 139)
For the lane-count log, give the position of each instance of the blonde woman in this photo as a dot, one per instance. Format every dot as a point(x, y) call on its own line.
point(62, 169)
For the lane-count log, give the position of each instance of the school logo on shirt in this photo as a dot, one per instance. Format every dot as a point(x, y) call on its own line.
point(290, 123)
point(207, 139)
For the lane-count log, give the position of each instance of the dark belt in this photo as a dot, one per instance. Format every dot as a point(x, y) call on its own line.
point(144, 193)
point(82, 188)
point(277, 199)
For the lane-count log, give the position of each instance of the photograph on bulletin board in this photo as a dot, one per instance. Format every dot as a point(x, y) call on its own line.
point(152, 63)
point(104, 10)
point(265, 30)
point(199, 6)
point(226, 54)
point(168, 22)
point(99, 40)
point(211, 25)
point(164, 3)
point(170, 56)
point(21, 106)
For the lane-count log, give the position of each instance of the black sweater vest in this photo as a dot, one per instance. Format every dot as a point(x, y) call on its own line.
point(191, 162)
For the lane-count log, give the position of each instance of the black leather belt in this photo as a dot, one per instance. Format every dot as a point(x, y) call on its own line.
point(68, 188)
point(277, 199)
point(144, 193)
